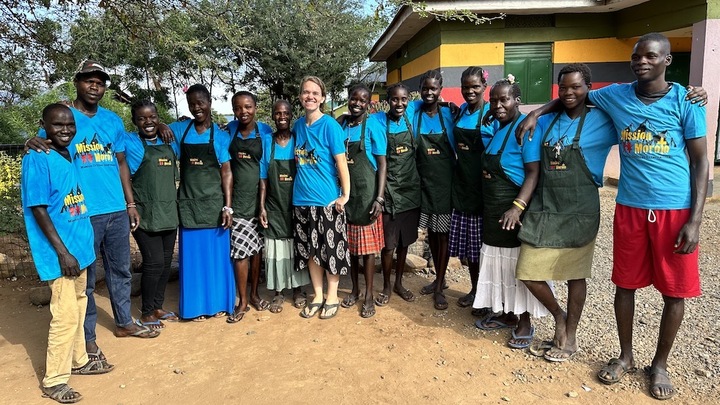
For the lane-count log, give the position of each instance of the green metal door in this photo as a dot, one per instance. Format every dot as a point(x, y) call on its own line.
point(531, 64)
point(679, 69)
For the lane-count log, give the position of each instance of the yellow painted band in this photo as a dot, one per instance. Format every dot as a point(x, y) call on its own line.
point(477, 54)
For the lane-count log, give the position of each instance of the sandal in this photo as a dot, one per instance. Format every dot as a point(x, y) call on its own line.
point(220, 314)
point(93, 367)
point(97, 355)
point(311, 309)
point(201, 318)
point(405, 294)
point(154, 325)
point(260, 305)
point(660, 390)
point(62, 393)
point(143, 333)
point(168, 316)
point(349, 301)
point(557, 355)
point(441, 303)
point(276, 306)
point(539, 349)
point(430, 288)
point(381, 300)
point(609, 373)
point(466, 301)
point(237, 316)
point(367, 310)
point(493, 324)
point(327, 308)
point(521, 342)
point(300, 300)
point(481, 312)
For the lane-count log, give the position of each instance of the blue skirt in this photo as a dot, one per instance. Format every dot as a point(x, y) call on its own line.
point(207, 283)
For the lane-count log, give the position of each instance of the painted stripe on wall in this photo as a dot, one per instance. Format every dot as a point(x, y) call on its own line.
point(473, 54)
point(393, 76)
point(592, 50)
point(417, 67)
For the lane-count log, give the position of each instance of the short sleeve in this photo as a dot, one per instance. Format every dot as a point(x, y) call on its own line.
point(531, 148)
point(693, 119)
point(221, 143)
point(334, 137)
point(265, 159)
point(119, 143)
point(35, 180)
point(377, 138)
point(603, 97)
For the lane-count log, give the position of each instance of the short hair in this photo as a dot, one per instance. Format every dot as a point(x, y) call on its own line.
point(359, 86)
point(432, 74)
point(396, 86)
point(281, 101)
point(198, 88)
point(656, 37)
point(52, 108)
point(474, 71)
point(138, 104)
point(581, 68)
point(244, 93)
point(319, 82)
point(514, 88)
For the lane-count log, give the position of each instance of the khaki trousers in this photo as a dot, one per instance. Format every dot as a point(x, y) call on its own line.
point(66, 339)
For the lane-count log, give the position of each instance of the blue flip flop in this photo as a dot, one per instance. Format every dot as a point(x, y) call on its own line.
point(528, 339)
point(169, 317)
point(492, 324)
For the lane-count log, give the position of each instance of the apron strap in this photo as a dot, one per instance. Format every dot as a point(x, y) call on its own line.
point(362, 134)
point(576, 139)
point(507, 135)
point(442, 123)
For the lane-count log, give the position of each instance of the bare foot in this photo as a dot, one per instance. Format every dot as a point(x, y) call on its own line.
point(560, 330)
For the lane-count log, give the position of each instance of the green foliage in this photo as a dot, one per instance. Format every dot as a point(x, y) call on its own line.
point(11, 220)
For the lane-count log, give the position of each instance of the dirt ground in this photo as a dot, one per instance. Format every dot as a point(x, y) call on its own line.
point(407, 353)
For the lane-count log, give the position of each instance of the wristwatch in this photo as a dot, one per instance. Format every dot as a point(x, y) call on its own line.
point(228, 209)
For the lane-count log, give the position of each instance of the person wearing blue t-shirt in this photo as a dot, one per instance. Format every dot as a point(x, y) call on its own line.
point(277, 175)
point(247, 140)
point(560, 226)
point(661, 195)
point(466, 222)
point(60, 235)
point(153, 170)
point(365, 144)
point(508, 183)
point(99, 155)
point(433, 130)
point(207, 285)
point(320, 235)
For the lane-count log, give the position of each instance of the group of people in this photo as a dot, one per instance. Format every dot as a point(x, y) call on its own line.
point(317, 196)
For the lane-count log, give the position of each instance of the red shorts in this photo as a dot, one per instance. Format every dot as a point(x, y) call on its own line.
point(643, 252)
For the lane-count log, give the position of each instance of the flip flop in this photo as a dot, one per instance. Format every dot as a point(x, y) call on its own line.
point(367, 310)
point(154, 325)
point(557, 355)
point(381, 300)
point(539, 349)
point(277, 303)
point(610, 369)
point(405, 294)
point(521, 342)
point(300, 300)
point(237, 316)
point(441, 303)
point(311, 309)
point(668, 387)
point(220, 314)
point(430, 288)
point(327, 307)
point(169, 317)
point(487, 324)
point(201, 318)
point(143, 333)
point(261, 305)
point(349, 301)
point(466, 301)
point(481, 312)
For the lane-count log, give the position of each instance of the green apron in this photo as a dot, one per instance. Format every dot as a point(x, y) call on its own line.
point(565, 211)
point(245, 165)
point(435, 161)
point(401, 189)
point(498, 195)
point(467, 194)
point(200, 195)
point(153, 186)
point(363, 180)
point(278, 197)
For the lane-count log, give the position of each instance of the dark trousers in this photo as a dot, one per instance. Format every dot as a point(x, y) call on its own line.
point(156, 249)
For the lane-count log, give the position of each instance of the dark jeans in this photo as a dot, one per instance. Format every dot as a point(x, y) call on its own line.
point(156, 249)
point(112, 242)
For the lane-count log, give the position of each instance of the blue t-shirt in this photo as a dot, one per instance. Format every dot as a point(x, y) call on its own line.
point(468, 120)
point(316, 183)
point(598, 135)
point(431, 125)
point(655, 169)
point(134, 150)
point(375, 140)
point(396, 127)
point(264, 129)
point(511, 159)
point(221, 140)
point(51, 180)
point(286, 152)
point(93, 149)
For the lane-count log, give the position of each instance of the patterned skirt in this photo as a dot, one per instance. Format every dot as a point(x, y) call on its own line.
point(438, 223)
point(366, 240)
point(320, 233)
point(466, 236)
point(245, 239)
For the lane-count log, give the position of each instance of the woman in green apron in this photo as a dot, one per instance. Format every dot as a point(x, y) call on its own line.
point(153, 170)
point(366, 147)
point(207, 286)
point(507, 187)
point(401, 212)
point(562, 220)
point(466, 222)
point(247, 140)
point(277, 174)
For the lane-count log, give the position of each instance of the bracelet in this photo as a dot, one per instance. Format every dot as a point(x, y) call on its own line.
point(228, 209)
point(380, 200)
point(517, 204)
point(131, 205)
point(521, 202)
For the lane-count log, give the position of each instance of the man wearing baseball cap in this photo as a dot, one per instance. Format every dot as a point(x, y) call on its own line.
point(99, 158)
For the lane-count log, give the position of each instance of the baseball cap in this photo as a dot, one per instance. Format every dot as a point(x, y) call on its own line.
point(91, 66)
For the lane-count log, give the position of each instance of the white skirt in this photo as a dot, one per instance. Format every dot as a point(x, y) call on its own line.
point(499, 289)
